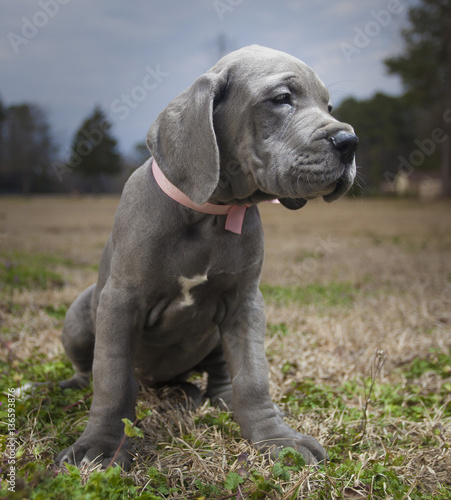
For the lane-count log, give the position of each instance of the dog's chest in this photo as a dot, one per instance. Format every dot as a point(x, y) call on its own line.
point(198, 271)
point(183, 326)
point(191, 301)
point(201, 279)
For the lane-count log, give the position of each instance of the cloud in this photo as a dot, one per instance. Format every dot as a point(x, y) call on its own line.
point(95, 52)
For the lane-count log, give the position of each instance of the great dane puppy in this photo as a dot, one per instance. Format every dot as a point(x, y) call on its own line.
point(177, 289)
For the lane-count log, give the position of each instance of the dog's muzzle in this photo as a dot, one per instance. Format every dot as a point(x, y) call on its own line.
point(346, 144)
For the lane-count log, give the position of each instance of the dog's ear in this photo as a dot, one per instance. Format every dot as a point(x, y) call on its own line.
point(183, 142)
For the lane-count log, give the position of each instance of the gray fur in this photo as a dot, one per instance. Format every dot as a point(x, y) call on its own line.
point(175, 291)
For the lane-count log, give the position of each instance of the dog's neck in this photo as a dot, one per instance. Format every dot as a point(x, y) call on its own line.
point(254, 198)
point(238, 188)
point(235, 214)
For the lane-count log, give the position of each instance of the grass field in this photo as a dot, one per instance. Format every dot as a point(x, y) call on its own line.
point(358, 300)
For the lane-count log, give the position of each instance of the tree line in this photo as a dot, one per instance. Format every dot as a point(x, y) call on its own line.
point(410, 133)
point(30, 161)
point(398, 134)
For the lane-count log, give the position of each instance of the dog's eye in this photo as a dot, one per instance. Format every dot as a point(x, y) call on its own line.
point(282, 99)
point(330, 108)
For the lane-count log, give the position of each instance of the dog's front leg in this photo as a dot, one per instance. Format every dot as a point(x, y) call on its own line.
point(243, 334)
point(115, 388)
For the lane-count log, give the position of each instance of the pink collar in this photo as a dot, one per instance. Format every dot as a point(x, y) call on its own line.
point(235, 213)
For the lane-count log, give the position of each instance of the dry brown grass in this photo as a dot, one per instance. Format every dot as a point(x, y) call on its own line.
point(395, 254)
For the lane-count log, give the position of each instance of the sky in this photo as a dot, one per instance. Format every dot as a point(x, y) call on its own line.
point(132, 58)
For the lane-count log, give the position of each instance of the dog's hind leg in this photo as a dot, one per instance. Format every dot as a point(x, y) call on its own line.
point(78, 340)
point(219, 385)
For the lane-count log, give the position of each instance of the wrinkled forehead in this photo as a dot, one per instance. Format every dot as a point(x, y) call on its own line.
point(261, 70)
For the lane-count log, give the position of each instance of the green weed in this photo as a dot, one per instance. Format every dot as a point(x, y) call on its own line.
point(436, 361)
point(277, 329)
point(362, 464)
point(109, 484)
point(56, 312)
point(19, 270)
point(223, 420)
point(331, 295)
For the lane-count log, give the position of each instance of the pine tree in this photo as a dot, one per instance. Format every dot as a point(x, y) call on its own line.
point(425, 69)
point(27, 145)
point(96, 148)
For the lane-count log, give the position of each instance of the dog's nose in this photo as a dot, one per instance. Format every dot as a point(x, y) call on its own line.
point(346, 143)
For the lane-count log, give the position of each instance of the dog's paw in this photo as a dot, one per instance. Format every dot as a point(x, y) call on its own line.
point(312, 452)
point(285, 437)
point(92, 455)
point(78, 381)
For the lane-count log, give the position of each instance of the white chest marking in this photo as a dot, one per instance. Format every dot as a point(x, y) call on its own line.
point(187, 284)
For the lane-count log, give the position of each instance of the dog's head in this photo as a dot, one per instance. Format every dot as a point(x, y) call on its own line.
point(256, 126)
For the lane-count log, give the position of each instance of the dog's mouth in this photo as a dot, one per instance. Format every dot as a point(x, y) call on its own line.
point(329, 193)
point(343, 184)
point(293, 203)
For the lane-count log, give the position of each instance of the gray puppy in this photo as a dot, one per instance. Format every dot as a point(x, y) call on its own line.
point(177, 289)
